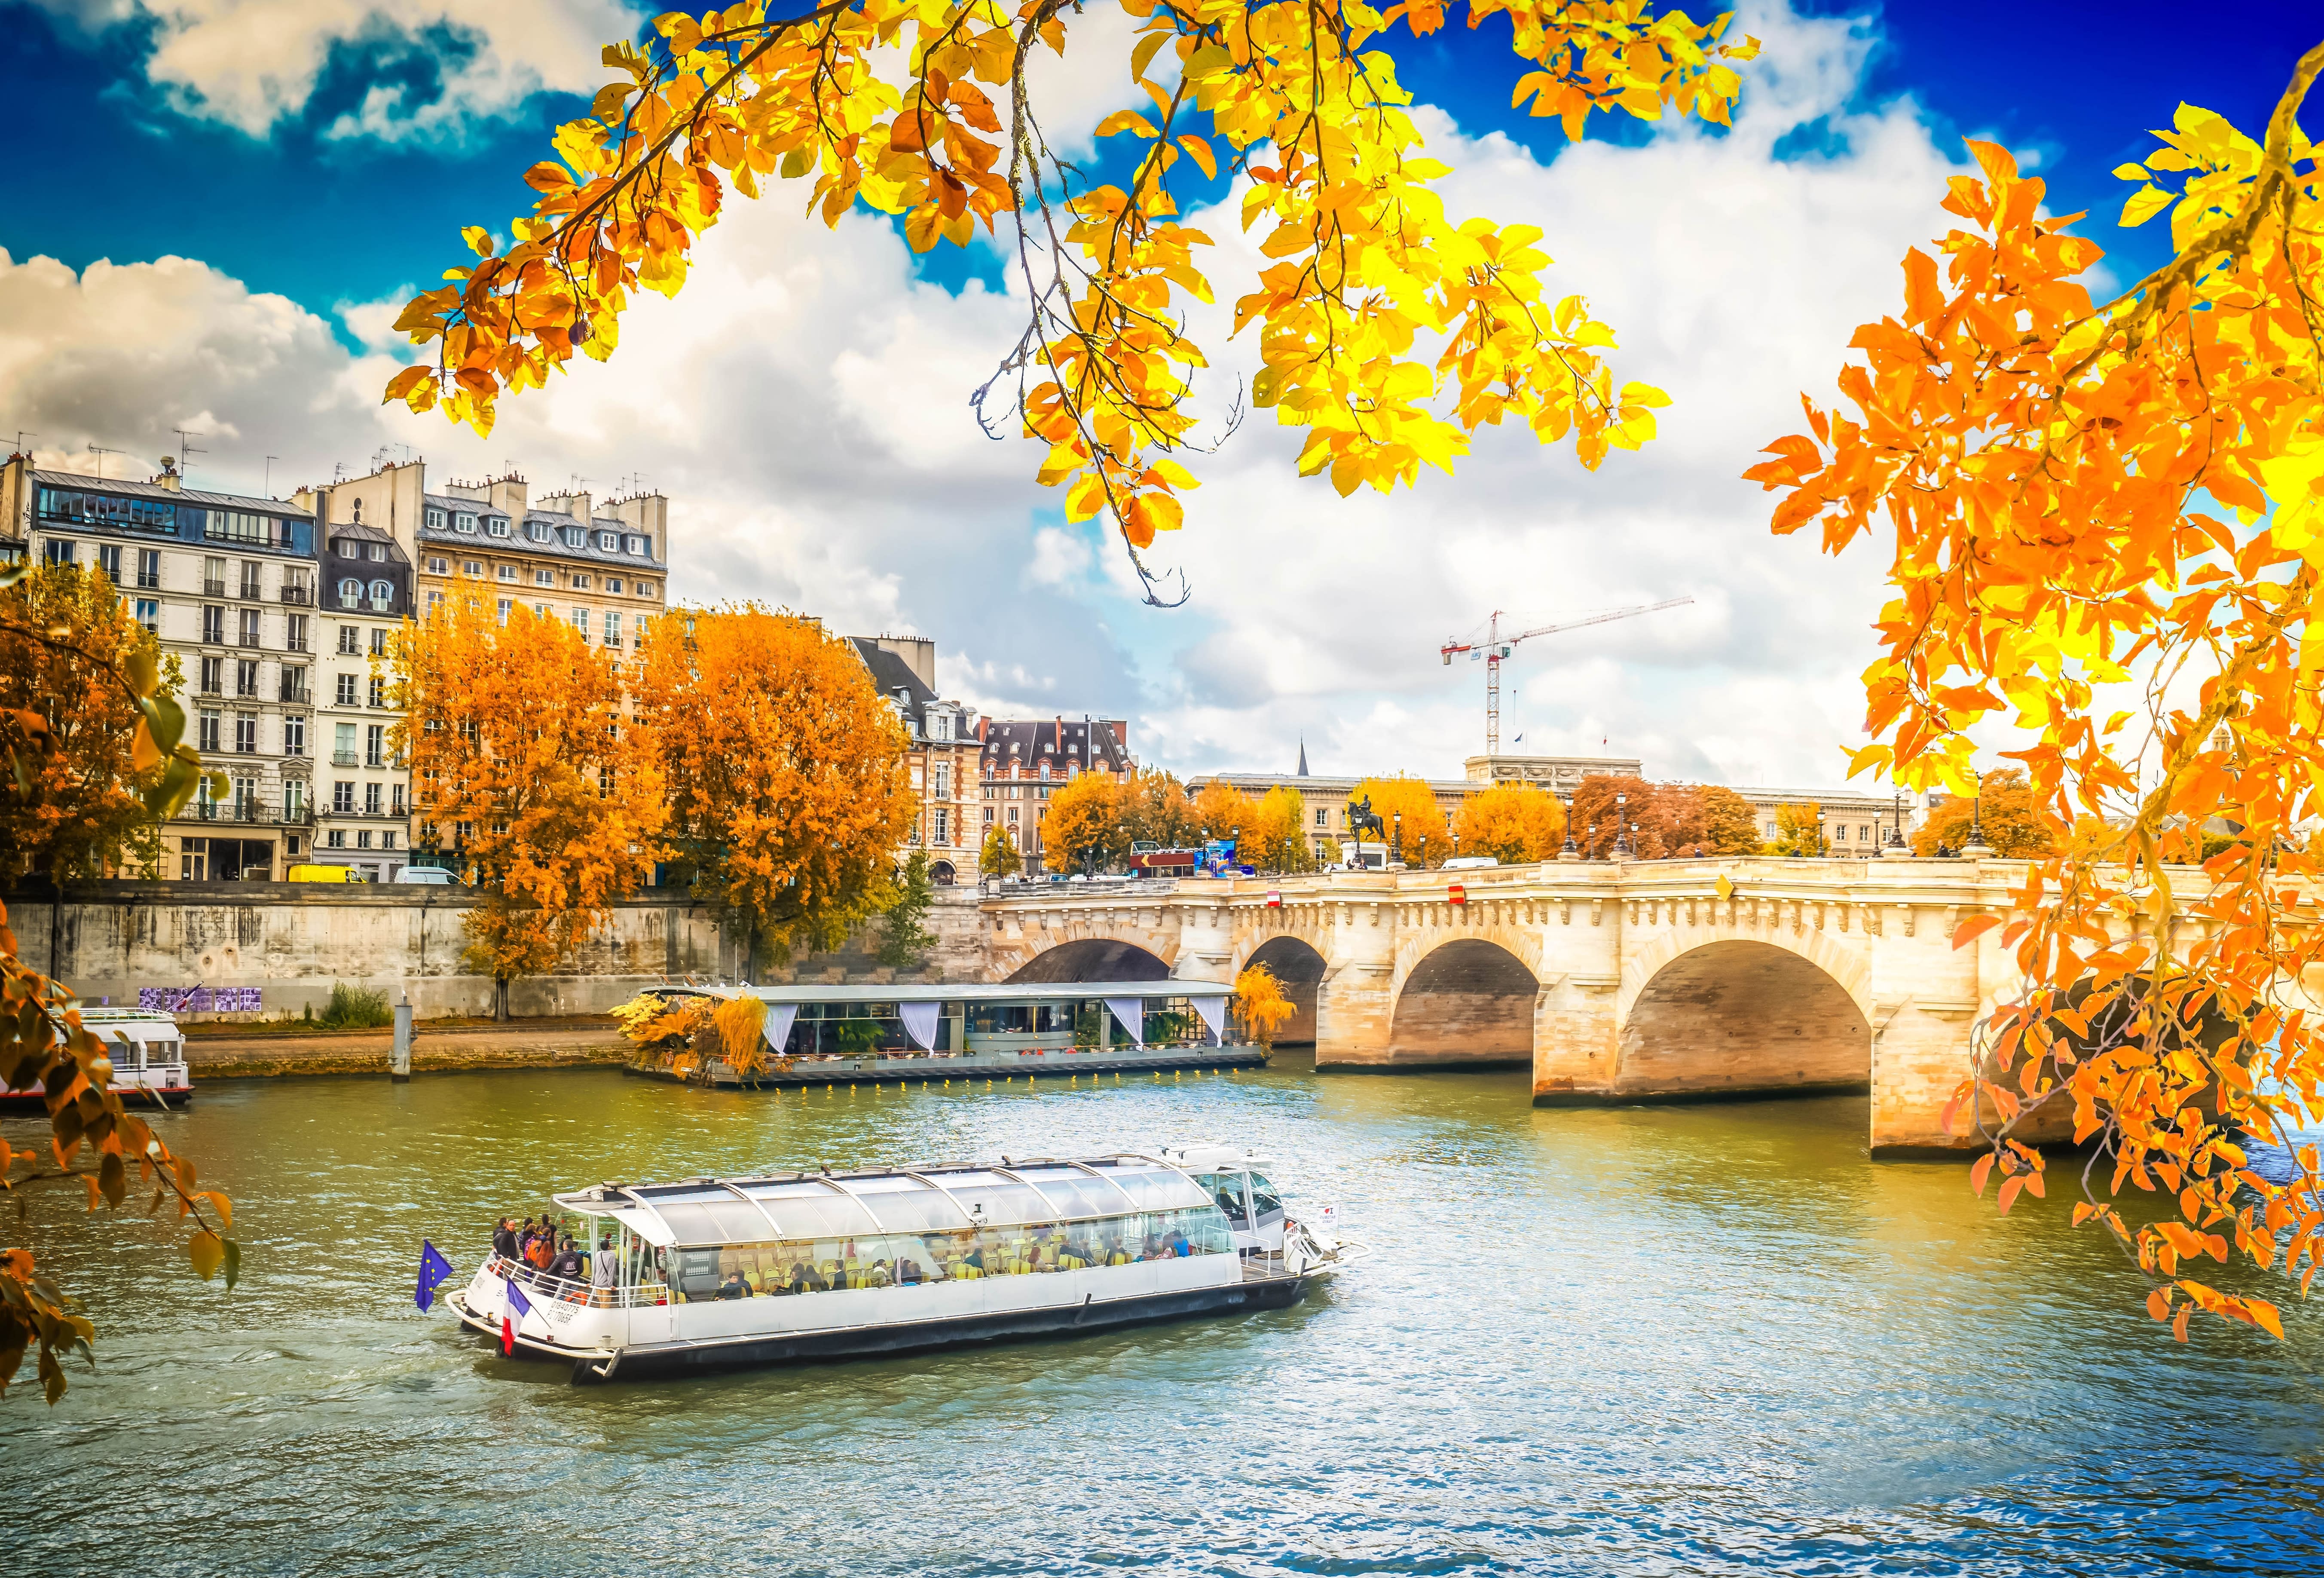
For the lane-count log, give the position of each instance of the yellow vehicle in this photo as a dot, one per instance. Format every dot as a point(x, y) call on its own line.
point(317, 874)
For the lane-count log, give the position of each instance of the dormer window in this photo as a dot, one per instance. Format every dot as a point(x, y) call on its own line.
point(537, 529)
point(609, 541)
point(633, 544)
point(497, 526)
point(376, 552)
point(940, 725)
point(574, 537)
point(435, 518)
point(465, 523)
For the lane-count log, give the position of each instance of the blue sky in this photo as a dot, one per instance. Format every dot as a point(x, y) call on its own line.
point(313, 157)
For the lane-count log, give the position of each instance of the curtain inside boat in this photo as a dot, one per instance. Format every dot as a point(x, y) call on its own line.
point(1213, 1010)
point(1131, 1014)
point(780, 1016)
point(921, 1022)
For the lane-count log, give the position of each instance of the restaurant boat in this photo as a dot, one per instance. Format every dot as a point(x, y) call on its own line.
point(903, 1031)
point(148, 1052)
point(800, 1267)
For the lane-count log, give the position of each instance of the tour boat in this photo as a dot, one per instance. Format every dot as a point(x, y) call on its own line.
point(799, 1267)
point(148, 1053)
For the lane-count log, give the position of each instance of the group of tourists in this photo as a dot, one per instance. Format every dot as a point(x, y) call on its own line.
point(551, 1254)
point(776, 1269)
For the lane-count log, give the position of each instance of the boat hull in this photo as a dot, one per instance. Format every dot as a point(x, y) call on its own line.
point(900, 1337)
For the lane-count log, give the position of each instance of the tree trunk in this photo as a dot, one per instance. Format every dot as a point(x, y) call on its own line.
point(500, 999)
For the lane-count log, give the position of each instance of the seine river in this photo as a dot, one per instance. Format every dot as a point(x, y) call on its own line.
point(1680, 1340)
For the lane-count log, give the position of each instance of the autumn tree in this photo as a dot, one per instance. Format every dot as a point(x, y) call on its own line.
point(1276, 836)
point(1604, 804)
point(73, 806)
point(93, 1140)
point(1424, 818)
point(1799, 829)
point(1730, 825)
point(1085, 818)
point(999, 857)
point(1296, 99)
point(2003, 811)
point(785, 771)
point(904, 938)
point(1260, 1004)
point(2104, 524)
point(1514, 823)
point(525, 764)
point(1156, 810)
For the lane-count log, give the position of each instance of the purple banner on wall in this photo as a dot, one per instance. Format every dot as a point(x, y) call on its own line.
point(200, 998)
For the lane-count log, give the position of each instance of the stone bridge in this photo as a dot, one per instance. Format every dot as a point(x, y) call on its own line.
point(1614, 982)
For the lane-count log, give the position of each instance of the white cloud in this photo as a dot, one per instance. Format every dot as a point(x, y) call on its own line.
point(804, 403)
point(251, 63)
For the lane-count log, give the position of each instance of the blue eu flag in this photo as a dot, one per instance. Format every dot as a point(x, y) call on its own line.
point(433, 1269)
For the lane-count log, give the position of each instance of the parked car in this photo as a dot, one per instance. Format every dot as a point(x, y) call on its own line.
point(1470, 862)
point(322, 874)
point(427, 877)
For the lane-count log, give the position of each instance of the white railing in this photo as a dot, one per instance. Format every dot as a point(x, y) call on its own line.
point(566, 1290)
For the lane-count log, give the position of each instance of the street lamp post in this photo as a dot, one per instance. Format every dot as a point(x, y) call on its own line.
point(1593, 840)
point(1569, 852)
point(1976, 848)
point(1395, 843)
point(1423, 851)
point(1622, 831)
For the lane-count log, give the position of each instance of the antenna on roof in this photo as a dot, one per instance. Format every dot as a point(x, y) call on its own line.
point(100, 451)
point(269, 484)
point(185, 446)
point(20, 437)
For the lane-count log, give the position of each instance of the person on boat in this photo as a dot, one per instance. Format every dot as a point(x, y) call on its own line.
point(566, 1263)
point(504, 1244)
point(879, 1276)
point(604, 1271)
point(734, 1286)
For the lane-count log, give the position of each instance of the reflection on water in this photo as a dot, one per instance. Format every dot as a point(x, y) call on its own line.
point(1696, 1339)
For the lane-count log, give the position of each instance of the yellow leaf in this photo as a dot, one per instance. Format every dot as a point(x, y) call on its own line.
point(2145, 203)
point(480, 242)
point(208, 1251)
point(1126, 120)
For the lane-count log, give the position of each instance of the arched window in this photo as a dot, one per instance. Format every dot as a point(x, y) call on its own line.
point(351, 592)
point(382, 595)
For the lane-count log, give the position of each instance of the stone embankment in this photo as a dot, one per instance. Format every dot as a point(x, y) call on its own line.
point(543, 1044)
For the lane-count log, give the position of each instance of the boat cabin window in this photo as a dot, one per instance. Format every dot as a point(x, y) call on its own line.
point(1226, 1188)
point(1155, 1189)
point(1264, 1200)
point(1074, 1192)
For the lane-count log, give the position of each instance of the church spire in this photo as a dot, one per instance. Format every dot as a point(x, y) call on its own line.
point(1303, 755)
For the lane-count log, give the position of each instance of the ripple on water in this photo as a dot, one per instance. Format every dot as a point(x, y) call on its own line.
point(1699, 1339)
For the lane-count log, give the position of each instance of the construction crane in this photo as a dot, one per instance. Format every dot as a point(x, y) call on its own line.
point(1497, 646)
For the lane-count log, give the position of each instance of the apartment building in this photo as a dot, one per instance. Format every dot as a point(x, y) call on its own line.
point(1021, 763)
point(227, 581)
point(943, 746)
point(604, 566)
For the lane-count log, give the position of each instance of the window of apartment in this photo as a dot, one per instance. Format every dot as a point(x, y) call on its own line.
point(343, 745)
point(350, 641)
point(345, 691)
point(609, 541)
point(294, 805)
point(387, 835)
point(208, 737)
point(395, 807)
point(612, 583)
point(944, 780)
point(213, 625)
point(148, 614)
point(375, 552)
point(506, 572)
point(362, 835)
point(506, 604)
point(294, 632)
point(58, 551)
point(612, 628)
point(383, 596)
point(247, 619)
point(109, 562)
point(294, 736)
point(643, 588)
point(350, 592)
point(435, 601)
point(250, 578)
point(465, 523)
point(574, 537)
point(245, 732)
point(376, 745)
point(581, 621)
point(580, 583)
point(245, 676)
point(149, 569)
point(543, 578)
point(337, 838)
point(537, 529)
point(1322, 816)
point(944, 825)
point(633, 544)
point(213, 575)
point(378, 691)
point(343, 800)
point(988, 815)
point(213, 676)
point(193, 860)
point(435, 518)
point(294, 684)
point(472, 567)
point(371, 799)
point(497, 526)
point(438, 567)
point(378, 641)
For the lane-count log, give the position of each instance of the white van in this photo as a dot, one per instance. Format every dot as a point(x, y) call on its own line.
point(1470, 862)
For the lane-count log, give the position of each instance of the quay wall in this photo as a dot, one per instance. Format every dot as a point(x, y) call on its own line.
point(295, 940)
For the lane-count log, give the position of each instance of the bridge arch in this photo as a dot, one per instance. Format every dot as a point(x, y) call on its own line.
point(1737, 1015)
point(1300, 968)
point(1466, 1003)
point(1093, 958)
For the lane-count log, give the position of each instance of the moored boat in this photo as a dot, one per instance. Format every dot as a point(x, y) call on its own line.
point(148, 1053)
point(800, 1267)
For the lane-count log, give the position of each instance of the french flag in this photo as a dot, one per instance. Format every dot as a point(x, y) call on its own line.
point(513, 1309)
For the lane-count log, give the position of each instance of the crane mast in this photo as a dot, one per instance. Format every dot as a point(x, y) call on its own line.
point(1497, 646)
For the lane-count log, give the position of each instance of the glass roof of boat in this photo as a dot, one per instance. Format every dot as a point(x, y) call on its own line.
point(949, 1198)
point(966, 991)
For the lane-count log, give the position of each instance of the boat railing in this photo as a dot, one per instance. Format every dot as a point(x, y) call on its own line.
point(566, 1290)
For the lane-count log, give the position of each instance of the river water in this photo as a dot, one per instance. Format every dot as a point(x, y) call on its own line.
point(1678, 1340)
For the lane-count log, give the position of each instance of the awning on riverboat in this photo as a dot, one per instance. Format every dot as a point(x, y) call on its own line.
point(904, 1200)
point(1001, 993)
point(923, 1017)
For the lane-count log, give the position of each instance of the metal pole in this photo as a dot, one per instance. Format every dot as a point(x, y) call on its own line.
point(399, 1060)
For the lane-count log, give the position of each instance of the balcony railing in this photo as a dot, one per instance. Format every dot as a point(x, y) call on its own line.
point(149, 581)
point(249, 638)
point(251, 592)
point(250, 810)
point(298, 597)
point(296, 692)
point(343, 759)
